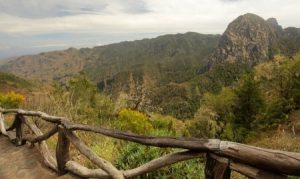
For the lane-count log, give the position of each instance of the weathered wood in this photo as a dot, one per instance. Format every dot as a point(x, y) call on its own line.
point(151, 166)
point(187, 143)
point(217, 168)
point(84, 172)
point(247, 170)
point(42, 146)
point(19, 130)
point(163, 161)
point(2, 125)
point(271, 160)
point(40, 138)
point(62, 151)
point(263, 159)
point(12, 126)
point(103, 164)
point(46, 117)
point(255, 173)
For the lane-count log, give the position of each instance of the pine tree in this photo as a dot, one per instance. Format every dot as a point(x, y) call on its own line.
point(249, 104)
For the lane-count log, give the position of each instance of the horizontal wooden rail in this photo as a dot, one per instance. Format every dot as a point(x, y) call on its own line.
point(222, 156)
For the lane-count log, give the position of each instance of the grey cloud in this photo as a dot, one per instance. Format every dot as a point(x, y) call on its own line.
point(135, 7)
point(59, 8)
point(54, 8)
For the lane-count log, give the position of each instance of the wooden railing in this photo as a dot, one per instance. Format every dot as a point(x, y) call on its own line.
point(222, 157)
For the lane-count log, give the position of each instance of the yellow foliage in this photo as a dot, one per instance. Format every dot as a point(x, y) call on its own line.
point(134, 121)
point(11, 100)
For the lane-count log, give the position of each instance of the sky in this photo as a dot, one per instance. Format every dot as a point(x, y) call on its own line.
point(34, 26)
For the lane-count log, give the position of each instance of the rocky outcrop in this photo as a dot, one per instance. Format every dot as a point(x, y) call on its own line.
point(249, 38)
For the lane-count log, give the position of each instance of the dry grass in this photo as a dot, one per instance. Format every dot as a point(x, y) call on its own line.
point(282, 138)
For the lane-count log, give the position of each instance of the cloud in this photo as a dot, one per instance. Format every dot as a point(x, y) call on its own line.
point(135, 16)
point(49, 8)
point(59, 8)
point(231, 0)
point(32, 23)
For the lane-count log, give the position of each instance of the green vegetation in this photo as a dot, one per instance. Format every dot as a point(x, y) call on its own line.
point(9, 81)
point(248, 105)
point(83, 101)
point(260, 99)
point(133, 155)
point(170, 58)
point(240, 106)
point(176, 100)
point(223, 74)
point(134, 121)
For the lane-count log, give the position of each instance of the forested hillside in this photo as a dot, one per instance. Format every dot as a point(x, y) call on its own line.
point(11, 82)
point(168, 56)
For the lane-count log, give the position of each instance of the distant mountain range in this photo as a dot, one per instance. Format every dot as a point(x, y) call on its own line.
point(169, 54)
point(167, 62)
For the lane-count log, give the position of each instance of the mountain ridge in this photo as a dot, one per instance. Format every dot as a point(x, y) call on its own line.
point(59, 65)
point(249, 38)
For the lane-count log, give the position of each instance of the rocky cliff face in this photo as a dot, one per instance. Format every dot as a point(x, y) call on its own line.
point(249, 38)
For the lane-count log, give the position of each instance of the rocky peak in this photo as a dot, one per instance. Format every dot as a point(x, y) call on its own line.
point(273, 21)
point(249, 39)
point(275, 26)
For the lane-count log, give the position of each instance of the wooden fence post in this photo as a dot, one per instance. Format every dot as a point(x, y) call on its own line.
point(216, 168)
point(2, 125)
point(62, 151)
point(19, 129)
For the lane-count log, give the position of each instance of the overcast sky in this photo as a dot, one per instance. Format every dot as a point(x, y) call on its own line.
point(33, 26)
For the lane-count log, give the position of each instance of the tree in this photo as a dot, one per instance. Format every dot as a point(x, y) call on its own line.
point(82, 101)
point(213, 118)
point(248, 105)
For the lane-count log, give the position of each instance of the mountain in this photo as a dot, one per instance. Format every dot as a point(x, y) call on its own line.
point(171, 58)
point(250, 39)
point(290, 41)
point(145, 70)
point(46, 66)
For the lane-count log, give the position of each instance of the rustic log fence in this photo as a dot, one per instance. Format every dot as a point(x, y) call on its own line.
point(222, 157)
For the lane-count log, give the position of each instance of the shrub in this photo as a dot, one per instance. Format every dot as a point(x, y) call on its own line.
point(80, 100)
point(215, 115)
point(134, 121)
point(133, 155)
point(11, 100)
